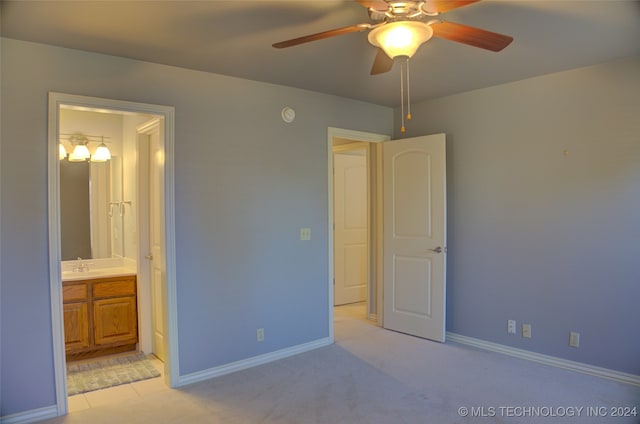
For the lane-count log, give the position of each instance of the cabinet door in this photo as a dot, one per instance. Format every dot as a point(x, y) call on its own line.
point(115, 320)
point(76, 326)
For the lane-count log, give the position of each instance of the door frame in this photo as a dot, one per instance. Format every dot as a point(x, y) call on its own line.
point(143, 228)
point(375, 222)
point(55, 282)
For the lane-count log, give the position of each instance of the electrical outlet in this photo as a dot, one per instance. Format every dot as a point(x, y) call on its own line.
point(260, 334)
point(511, 326)
point(574, 339)
point(526, 330)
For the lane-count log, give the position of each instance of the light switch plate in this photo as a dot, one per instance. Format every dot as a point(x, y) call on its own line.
point(305, 233)
point(574, 339)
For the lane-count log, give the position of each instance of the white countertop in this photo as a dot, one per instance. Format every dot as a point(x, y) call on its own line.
point(97, 273)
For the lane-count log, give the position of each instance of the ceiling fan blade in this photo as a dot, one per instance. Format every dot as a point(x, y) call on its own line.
point(321, 35)
point(379, 5)
point(447, 5)
point(382, 63)
point(472, 36)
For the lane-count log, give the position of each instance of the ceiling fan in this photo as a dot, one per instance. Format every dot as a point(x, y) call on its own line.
point(400, 27)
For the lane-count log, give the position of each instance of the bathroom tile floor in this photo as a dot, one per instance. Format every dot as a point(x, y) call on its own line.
point(119, 394)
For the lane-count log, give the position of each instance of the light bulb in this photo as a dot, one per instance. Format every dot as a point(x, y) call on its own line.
point(80, 153)
point(62, 152)
point(402, 38)
point(102, 154)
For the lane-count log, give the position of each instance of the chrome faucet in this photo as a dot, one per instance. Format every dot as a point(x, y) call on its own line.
point(80, 266)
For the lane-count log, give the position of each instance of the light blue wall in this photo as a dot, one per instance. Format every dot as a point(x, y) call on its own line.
point(534, 235)
point(537, 236)
point(245, 183)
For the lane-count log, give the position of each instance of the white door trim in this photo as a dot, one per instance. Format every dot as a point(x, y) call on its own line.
point(356, 136)
point(55, 283)
point(142, 227)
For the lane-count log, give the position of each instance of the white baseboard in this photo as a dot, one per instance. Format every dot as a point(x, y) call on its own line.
point(31, 416)
point(250, 362)
point(619, 376)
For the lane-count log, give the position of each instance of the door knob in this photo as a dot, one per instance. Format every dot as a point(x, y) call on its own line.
point(150, 257)
point(437, 250)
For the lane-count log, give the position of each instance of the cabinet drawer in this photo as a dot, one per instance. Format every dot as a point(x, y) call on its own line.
point(74, 292)
point(114, 288)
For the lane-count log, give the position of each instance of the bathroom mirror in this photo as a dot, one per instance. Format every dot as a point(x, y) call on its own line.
point(97, 208)
point(91, 224)
point(93, 210)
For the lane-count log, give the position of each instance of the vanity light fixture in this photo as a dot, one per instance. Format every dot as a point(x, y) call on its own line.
point(80, 143)
point(80, 153)
point(102, 153)
point(62, 152)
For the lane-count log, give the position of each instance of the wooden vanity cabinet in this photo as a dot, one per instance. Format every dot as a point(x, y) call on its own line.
point(100, 316)
point(76, 316)
point(76, 326)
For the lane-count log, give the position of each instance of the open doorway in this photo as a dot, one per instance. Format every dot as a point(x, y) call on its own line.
point(120, 211)
point(354, 223)
point(408, 270)
point(350, 222)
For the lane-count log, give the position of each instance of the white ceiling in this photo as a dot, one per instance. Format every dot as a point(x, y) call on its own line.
point(234, 38)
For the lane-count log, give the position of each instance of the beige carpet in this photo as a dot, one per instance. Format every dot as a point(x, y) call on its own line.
point(376, 376)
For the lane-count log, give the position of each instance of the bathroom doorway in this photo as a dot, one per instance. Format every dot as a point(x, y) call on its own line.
point(128, 207)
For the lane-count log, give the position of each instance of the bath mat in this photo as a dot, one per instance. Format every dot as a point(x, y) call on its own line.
point(96, 375)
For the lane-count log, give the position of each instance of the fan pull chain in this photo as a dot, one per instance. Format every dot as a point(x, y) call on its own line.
point(408, 93)
point(402, 129)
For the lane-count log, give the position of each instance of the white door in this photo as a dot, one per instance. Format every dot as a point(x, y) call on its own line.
point(350, 220)
point(415, 236)
point(156, 238)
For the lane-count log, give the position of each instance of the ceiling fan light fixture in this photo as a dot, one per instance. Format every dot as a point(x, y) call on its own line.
point(400, 39)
